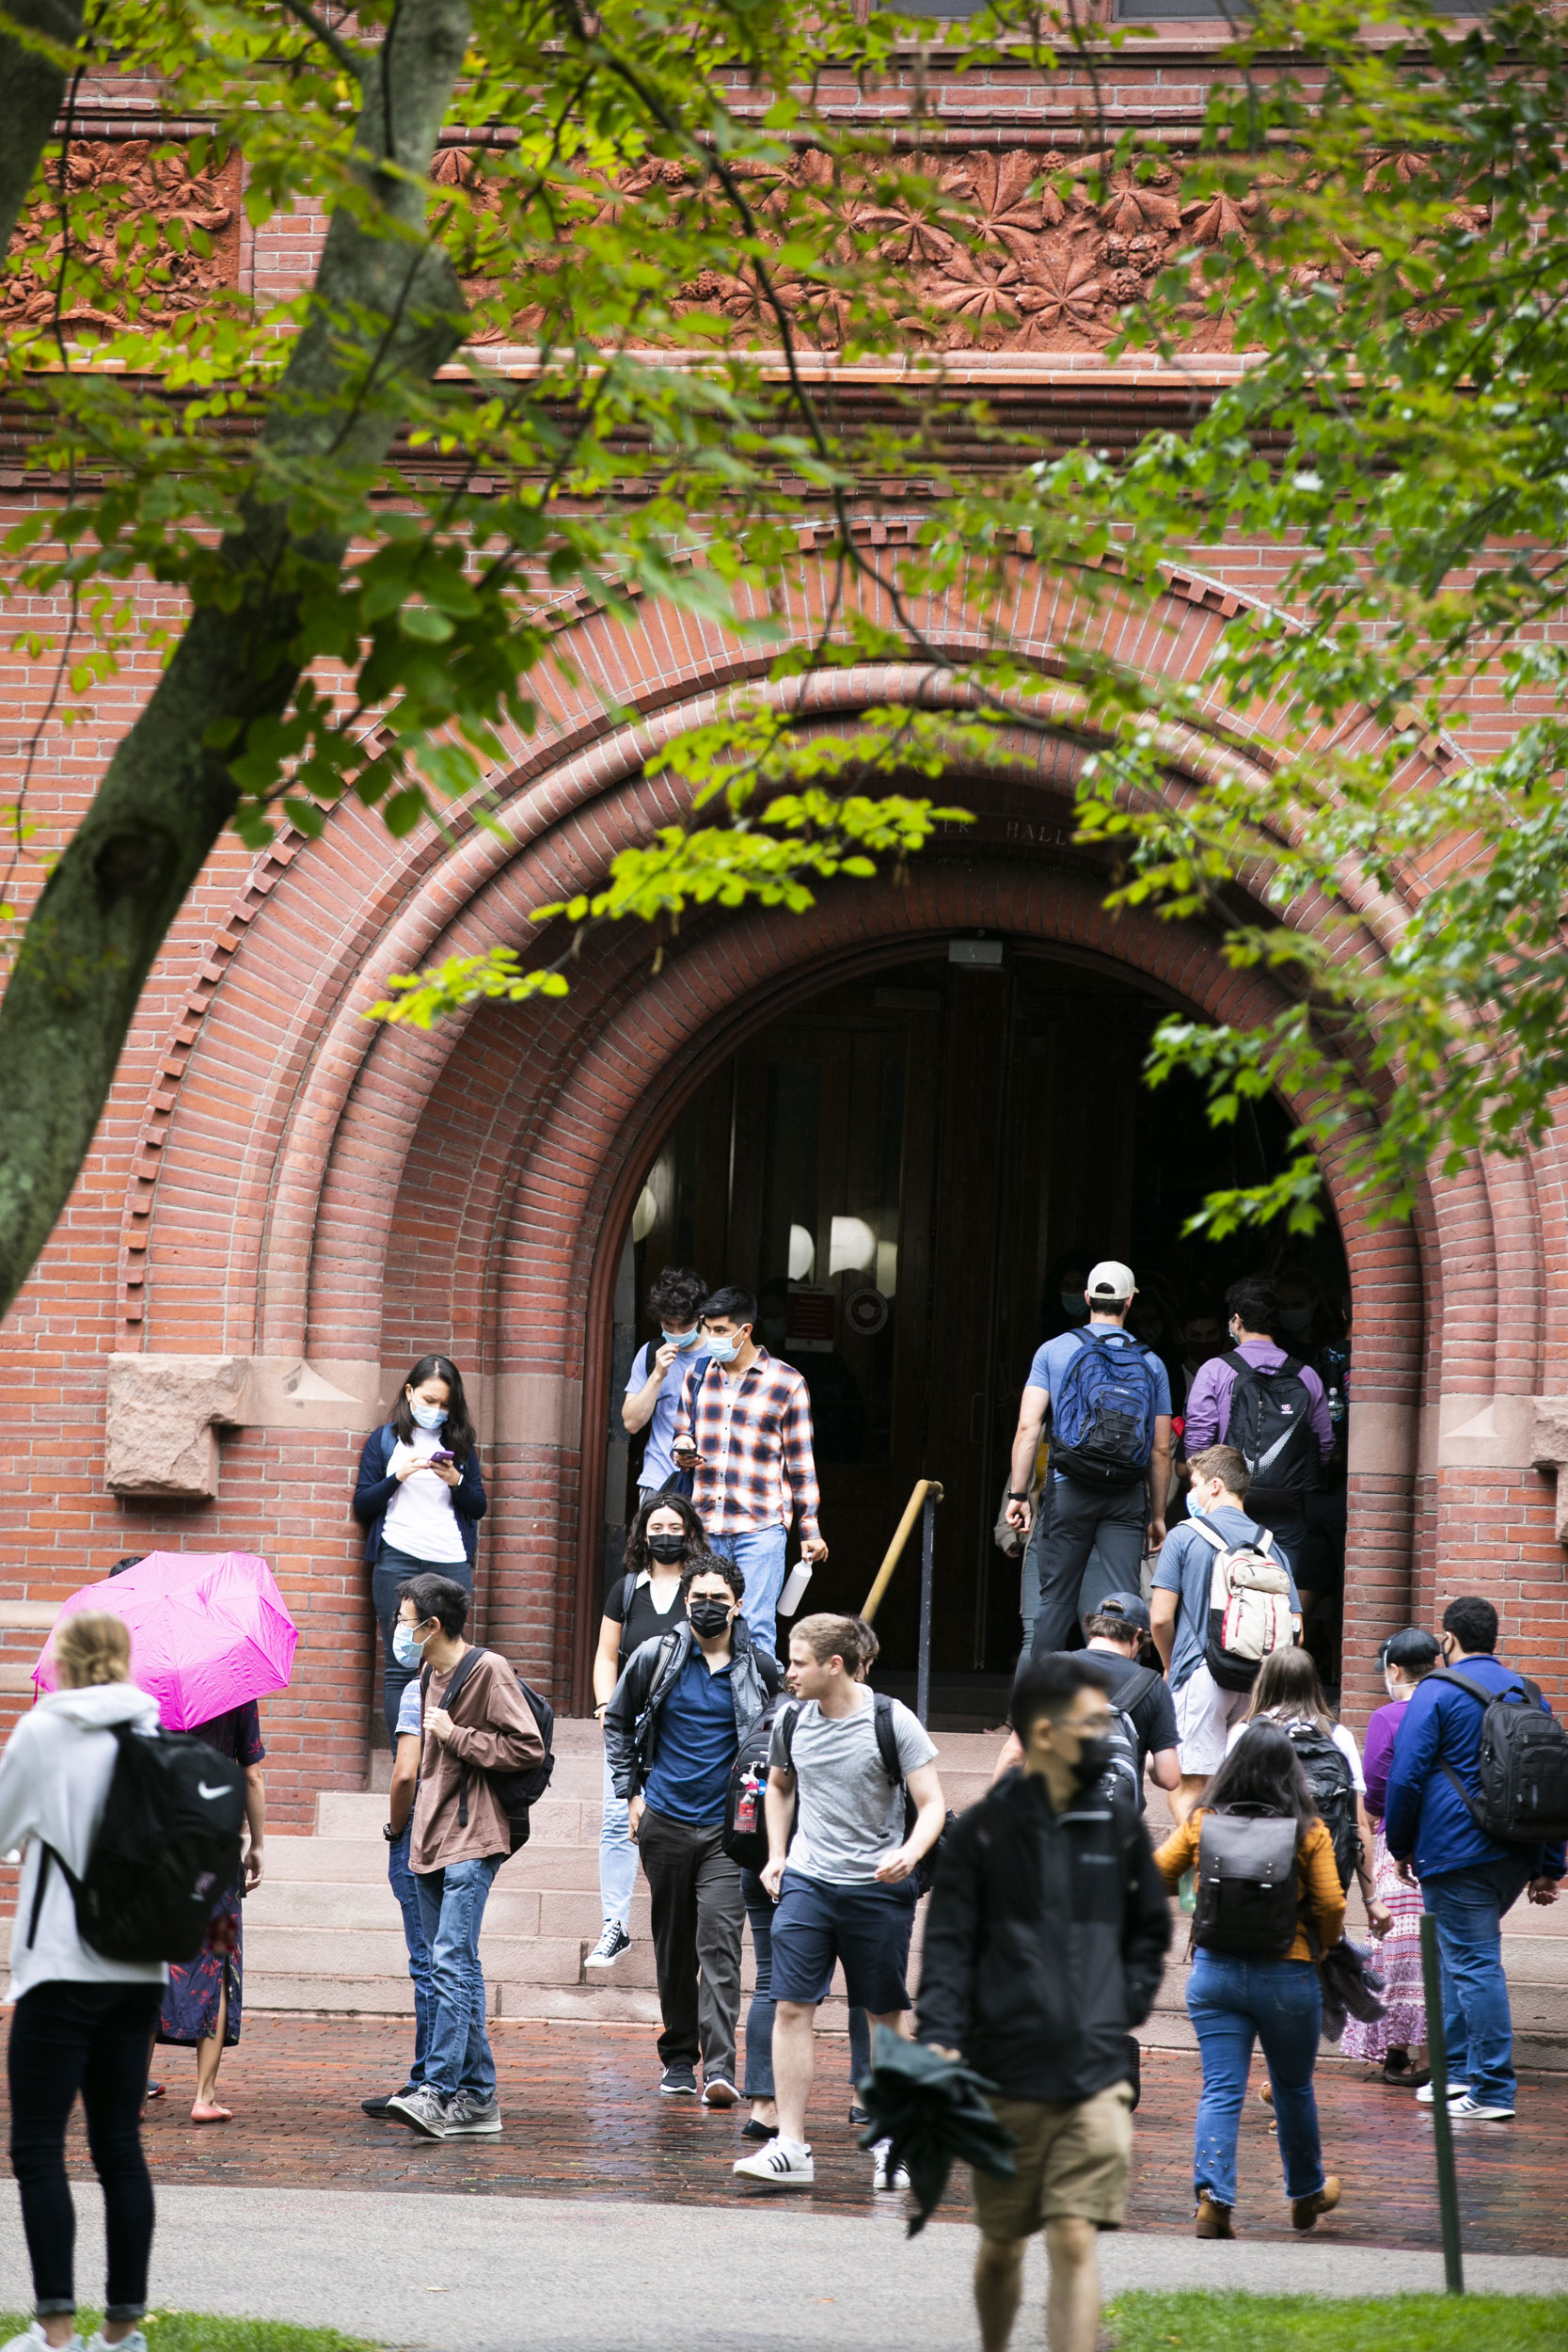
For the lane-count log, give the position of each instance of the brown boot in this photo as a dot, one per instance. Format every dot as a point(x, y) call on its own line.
point(1214, 2221)
point(1305, 2211)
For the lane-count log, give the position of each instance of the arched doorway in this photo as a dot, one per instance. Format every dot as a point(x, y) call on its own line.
point(904, 1167)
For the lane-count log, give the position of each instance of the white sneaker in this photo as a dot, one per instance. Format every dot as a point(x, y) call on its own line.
point(1470, 2110)
point(883, 2174)
point(1428, 2092)
point(134, 2341)
point(34, 2335)
point(779, 2166)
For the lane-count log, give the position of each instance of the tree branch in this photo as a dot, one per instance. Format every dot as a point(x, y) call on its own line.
point(329, 38)
point(32, 84)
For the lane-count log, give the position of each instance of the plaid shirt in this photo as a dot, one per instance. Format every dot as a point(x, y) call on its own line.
point(755, 1437)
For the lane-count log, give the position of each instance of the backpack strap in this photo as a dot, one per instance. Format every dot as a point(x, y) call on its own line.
point(388, 1437)
point(1210, 1534)
point(47, 1858)
point(628, 1593)
point(1463, 1682)
point(787, 1718)
point(1136, 1687)
point(887, 1739)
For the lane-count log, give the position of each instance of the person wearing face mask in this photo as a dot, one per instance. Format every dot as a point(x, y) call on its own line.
point(1268, 1404)
point(1396, 2039)
point(654, 1384)
point(420, 1500)
point(1468, 1879)
point(743, 1430)
point(673, 1728)
point(642, 1604)
point(1044, 1948)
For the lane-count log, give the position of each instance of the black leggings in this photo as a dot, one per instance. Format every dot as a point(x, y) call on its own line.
point(94, 2039)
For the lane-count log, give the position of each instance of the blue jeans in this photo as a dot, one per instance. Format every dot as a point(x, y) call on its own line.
point(1477, 2023)
point(759, 2017)
point(617, 1857)
point(1233, 2003)
point(758, 1552)
point(405, 1887)
point(452, 1905)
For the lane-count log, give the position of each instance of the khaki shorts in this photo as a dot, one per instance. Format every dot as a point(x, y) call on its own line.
point(1204, 1714)
point(1072, 2159)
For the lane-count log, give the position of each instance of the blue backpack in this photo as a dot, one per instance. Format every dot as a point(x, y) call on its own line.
point(1102, 1416)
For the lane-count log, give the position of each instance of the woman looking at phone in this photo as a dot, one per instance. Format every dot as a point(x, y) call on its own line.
point(420, 1500)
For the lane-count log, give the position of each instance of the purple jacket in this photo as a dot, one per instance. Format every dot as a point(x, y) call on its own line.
point(1208, 1400)
point(1378, 1755)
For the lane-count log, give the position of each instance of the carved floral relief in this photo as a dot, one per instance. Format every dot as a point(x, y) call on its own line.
point(112, 183)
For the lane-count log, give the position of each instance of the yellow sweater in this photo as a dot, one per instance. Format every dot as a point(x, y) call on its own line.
point(1318, 1889)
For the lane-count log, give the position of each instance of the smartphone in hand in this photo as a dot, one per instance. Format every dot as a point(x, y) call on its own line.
point(444, 1455)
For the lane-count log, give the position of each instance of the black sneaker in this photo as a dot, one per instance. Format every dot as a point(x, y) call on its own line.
point(612, 1944)
point(859, 2117)
point(379, 2107)
point(680, 2080)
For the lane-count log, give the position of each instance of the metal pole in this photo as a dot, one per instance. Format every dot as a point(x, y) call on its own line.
point(1437, 2058)
point(922, 1663)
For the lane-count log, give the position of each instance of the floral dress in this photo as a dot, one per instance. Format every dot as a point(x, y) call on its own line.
point(190, 2010)
point(1403, 2023)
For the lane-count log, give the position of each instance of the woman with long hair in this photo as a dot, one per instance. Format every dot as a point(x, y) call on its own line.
point(419, 1501)
point(1236, 2001)
point(643, 1602)
point(1289, 1691)
point(1396, 2039)
point(81, 2023)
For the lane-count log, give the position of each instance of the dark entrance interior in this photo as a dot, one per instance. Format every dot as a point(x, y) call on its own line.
point(907, 1170)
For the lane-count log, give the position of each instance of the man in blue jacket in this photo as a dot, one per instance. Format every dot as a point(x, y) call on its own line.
point(1468, 1880)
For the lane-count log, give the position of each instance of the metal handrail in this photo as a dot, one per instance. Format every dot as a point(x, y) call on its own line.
point(895, 1552)
point(923, 1502)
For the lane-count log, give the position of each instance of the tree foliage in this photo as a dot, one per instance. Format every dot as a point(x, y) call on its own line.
point(382, 526)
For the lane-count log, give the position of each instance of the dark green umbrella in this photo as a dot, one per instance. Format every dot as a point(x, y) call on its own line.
point(933, 2109)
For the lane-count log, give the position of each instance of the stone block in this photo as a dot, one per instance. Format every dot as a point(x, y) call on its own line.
point(159, 1420)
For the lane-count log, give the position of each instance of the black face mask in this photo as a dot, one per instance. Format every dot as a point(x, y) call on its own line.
point(666, 1547)
point(708, 1616)
point(1094, 1758)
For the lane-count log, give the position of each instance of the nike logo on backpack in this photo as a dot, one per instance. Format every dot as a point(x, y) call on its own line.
point(203, 1791)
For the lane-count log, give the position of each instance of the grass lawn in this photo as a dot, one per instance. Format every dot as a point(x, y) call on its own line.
point(197, 2332)
point(1314, 2323)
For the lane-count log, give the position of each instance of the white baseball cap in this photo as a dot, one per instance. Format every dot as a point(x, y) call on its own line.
point(1111, 1281)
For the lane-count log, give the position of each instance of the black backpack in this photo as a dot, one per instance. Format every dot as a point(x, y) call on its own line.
point(887, 1748)
point(518, 1792)
point(1333, 1785)
point(1246, 1884)
point(165, 1852)
point(1126, 1758)
point(1271, 1428)
point(1102, 1416)
point(744, 1836)
point(1524, 1765)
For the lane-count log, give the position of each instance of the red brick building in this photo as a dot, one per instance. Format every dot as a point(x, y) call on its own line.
point(923, 1099)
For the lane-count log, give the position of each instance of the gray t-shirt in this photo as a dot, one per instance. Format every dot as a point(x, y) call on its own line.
point(849, 1816)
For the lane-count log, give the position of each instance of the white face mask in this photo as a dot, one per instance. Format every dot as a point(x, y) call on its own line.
point(427, 1415)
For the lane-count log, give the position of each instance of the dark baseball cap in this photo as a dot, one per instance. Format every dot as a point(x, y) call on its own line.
point(1132, 1606)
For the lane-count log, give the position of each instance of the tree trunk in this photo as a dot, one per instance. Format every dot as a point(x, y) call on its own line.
point(167, 795)
point(31, 91)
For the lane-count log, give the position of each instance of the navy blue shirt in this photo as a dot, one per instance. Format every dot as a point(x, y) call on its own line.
point(1426, 1819)
point(697, 1745)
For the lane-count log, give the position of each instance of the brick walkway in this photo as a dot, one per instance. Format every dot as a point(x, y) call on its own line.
point(583, 2116)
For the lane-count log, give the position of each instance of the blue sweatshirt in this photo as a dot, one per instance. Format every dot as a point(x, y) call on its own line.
point(1426, 1818)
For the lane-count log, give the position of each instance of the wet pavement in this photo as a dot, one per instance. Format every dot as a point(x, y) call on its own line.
point(584, 2120)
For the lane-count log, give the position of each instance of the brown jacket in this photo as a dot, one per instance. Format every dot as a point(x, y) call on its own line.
point(1319, 1893)
point(493, 1730)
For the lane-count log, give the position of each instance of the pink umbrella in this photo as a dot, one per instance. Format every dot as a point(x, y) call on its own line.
point(208, 1631)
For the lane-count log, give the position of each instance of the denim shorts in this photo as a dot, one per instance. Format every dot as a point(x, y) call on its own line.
point(866, 1927)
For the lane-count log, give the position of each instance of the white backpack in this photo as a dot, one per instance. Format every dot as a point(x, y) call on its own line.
point(1250, 1608)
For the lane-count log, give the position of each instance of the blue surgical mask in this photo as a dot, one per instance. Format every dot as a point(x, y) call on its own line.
point(406, 1646)
point(724, 1351)
point(428, 1415)
point(683, 1340)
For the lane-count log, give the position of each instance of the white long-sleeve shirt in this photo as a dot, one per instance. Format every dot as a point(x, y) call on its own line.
point(55, 1777)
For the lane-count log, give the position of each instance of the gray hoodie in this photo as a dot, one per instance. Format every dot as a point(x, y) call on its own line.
point(54, 1779)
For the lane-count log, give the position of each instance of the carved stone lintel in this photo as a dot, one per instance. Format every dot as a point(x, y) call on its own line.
point(159, 1420)
point(1549, 1449)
